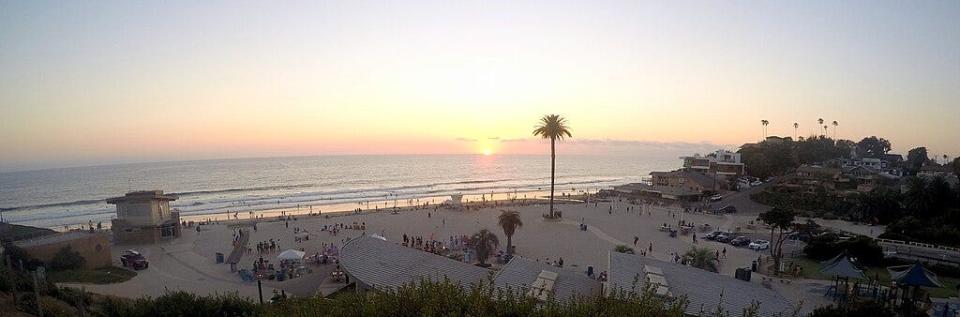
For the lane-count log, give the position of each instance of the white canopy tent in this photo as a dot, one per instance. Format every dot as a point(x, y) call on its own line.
point(291, 254)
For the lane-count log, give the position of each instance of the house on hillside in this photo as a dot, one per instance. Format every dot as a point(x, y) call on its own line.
point(722, 163)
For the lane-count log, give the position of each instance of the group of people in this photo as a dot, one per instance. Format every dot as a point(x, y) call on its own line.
point(268, 246)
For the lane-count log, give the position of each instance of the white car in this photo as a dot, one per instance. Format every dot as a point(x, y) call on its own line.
point(716, 197)
point(759, 245)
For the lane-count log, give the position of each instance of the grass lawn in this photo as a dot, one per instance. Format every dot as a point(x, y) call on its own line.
point(105, 275)
point(811, 270)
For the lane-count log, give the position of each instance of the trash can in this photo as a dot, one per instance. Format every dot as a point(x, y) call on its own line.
point(753, 267)
point(219, 257)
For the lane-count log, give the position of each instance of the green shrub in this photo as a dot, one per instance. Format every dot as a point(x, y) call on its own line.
point(67, 259)
point(623, 249)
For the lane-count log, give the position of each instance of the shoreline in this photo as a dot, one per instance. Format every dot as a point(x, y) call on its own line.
point(514, 198)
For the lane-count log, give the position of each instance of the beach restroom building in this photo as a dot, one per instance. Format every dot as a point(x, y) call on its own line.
point(144, 217)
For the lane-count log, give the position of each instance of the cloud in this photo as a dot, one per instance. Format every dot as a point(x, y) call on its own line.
point(493, 138)
point(466, 139)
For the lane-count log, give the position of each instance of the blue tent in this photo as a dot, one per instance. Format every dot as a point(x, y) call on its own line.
point(841, 266)
point(913, 275)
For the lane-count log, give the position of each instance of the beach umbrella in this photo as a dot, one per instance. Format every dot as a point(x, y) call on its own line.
point(291, 254)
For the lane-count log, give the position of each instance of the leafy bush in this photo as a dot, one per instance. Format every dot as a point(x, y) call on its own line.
point(623, 249)
point(18, 255)
point(67, 259)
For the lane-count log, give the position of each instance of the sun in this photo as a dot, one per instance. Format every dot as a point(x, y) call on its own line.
point(487, 152)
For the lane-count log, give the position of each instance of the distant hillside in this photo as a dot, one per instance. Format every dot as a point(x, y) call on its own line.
point(12, 232)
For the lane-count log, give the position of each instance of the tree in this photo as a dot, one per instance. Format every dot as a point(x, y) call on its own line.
point(917, 158)
point(956, 166)
point(510, 221)
point(918, 196)
point(820, 123)
point(764, 123)
point(781, 223)
point(66, 259)
point(484, 242)
point(835, 124)
point(701, 258)
point(795, 127)
point(552, 127)
point(878, 206)
point(873, 147)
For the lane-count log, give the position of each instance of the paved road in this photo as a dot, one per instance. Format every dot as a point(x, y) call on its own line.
point(915, 252)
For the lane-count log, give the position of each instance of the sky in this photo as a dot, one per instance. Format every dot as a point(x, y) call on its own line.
point(89, 82)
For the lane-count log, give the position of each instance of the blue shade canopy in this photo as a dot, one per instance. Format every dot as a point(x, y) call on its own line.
point(842, 266)
point(913, 275)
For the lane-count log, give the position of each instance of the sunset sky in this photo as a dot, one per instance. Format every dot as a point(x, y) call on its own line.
point(91, 82)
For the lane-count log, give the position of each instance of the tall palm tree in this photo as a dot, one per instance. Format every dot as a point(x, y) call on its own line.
point(918, 196)
point(510, 221)
point(701, 258)
point(795, 127)
point(552, 127)
point(484, 242)
point(835, 124)
point(764, 123)
point(820, 121)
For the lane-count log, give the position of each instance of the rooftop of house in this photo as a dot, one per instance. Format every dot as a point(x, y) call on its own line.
point(701, 179)
point(521, 273)
point(704, 290)
point(380, 263)
point(143, 195)
point(53, 238)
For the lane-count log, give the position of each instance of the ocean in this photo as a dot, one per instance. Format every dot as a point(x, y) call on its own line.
point(55, 198)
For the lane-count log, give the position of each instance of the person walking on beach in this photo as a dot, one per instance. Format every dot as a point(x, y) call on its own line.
point(635, 239)
point(724, 252)
point(650, 248)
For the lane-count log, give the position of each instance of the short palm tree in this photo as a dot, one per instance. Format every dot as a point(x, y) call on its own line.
point(510, 221)
point(835, 124)
point(701, 258)
point(552, 127)
point(484, 242)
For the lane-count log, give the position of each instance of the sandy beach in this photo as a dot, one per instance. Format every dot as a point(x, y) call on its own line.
point(188, 263)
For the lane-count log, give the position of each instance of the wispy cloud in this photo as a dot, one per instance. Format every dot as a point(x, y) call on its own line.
point(466, 139)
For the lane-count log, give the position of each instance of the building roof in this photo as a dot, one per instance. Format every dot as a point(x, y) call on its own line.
point(520, 274)
point(379, 263)
point(702, 289)
point(53, 239)
point(142, 196)
point(702, 180)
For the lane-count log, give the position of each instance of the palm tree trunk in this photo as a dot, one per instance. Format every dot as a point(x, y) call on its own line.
point(553, 169)
point(509, 244)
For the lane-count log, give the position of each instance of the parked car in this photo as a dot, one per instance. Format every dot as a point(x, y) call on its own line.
point(134, 260)
point(716, 197)
point(740, 241)
point(723, 237)
point(759, 245)
point(727, 210)
point(712, 235)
